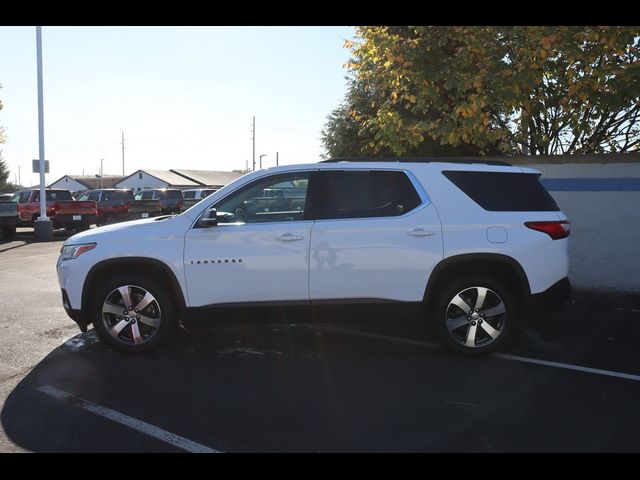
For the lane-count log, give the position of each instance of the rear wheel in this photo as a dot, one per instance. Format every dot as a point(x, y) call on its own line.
point(133, 313)
point(475, 314)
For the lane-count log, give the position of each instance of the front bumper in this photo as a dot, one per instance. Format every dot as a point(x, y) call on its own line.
point(552, 298)
point(77, 316)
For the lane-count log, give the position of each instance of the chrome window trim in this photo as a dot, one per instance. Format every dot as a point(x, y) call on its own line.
point(417, 185)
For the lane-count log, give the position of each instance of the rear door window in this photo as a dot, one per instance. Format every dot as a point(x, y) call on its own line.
point(361, 194)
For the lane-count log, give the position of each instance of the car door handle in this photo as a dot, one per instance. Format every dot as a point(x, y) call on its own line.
point(421, 232)
point(288, 237)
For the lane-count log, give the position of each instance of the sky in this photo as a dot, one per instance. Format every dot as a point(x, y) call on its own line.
point(183, 96)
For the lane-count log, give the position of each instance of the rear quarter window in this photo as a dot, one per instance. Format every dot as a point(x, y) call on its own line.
point(504, 191)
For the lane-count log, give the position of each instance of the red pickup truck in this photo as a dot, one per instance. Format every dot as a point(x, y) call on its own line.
point(62, 209)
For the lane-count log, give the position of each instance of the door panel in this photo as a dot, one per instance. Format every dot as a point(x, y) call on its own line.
point(248, 263)
point(375, 237)
point(375, 258)
point(261, 254)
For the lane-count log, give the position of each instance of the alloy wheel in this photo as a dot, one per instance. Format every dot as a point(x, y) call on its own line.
point(476, 317)
point(131, 314)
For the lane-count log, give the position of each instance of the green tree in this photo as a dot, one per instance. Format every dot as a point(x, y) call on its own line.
point(546, 90)
point(344, 134)
point(4, 174)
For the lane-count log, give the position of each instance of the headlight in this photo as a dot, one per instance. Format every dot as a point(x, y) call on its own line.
point(74, 251)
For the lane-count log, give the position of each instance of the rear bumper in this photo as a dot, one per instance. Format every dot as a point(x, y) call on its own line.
point(64, 220)
point(77, 316)
point(552, 298)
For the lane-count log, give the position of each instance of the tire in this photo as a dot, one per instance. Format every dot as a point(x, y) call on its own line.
point(8, 233)
point(476, 333)
point(159, 312)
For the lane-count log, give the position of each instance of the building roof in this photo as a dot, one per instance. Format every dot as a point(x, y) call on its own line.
point(208, 178)
point(94, 181)
point(170, 178)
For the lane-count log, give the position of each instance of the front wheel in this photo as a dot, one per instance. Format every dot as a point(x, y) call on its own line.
point(475, 315)
point(133, 313)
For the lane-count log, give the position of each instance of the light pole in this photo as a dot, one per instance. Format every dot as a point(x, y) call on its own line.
point(264, 155)
point(42, 227)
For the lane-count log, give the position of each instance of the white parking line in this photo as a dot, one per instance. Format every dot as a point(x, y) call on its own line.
point(503, 356)
point(121, 418)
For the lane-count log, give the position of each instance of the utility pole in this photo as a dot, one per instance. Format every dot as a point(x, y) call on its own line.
point(253, 139)
point(264, 155)
point(19, 179)
point(42, 227)
point(101, 173)
point(276, 159)
point(123, 154)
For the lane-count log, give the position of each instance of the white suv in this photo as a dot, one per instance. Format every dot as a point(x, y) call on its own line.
point(480, 244)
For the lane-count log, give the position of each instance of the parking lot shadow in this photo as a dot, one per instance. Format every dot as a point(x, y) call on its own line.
point(299, 387)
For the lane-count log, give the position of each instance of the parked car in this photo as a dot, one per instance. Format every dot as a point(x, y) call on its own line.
point(62, 209)
point(8, 218)
point(117, 205)
point(194, 195)
point(6, 197)
point(477, 244)
point(171, 201)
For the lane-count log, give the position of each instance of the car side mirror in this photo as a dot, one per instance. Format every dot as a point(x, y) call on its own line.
point(210, 219)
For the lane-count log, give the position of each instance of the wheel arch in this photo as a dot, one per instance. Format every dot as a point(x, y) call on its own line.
point(153, 267)
point(501, 266)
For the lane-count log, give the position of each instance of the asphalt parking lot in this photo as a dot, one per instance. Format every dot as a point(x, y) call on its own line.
point(373, 381)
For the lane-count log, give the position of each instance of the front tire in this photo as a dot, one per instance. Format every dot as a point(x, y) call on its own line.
point(475, 314)
point(133, 313)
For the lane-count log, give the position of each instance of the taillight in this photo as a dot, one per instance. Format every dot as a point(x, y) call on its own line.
point(556, 230)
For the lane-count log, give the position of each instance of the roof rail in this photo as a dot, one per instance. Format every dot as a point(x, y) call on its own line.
point(464, 160)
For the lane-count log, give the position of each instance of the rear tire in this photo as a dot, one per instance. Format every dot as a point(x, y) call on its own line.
point(141, 329)
point(475, 314)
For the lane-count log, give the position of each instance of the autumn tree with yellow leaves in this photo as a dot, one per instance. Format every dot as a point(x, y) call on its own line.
point(482, 90)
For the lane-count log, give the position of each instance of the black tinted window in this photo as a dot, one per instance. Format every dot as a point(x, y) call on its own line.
point(170, 194)
point(144, 196)
point(354, 194)
point(54, 195)
point(504, 192)
point(189, 195)
point(116, 195)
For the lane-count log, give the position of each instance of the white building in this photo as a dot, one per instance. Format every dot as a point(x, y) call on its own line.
point(208, 178)
point(147, 179)
point(77, 183)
